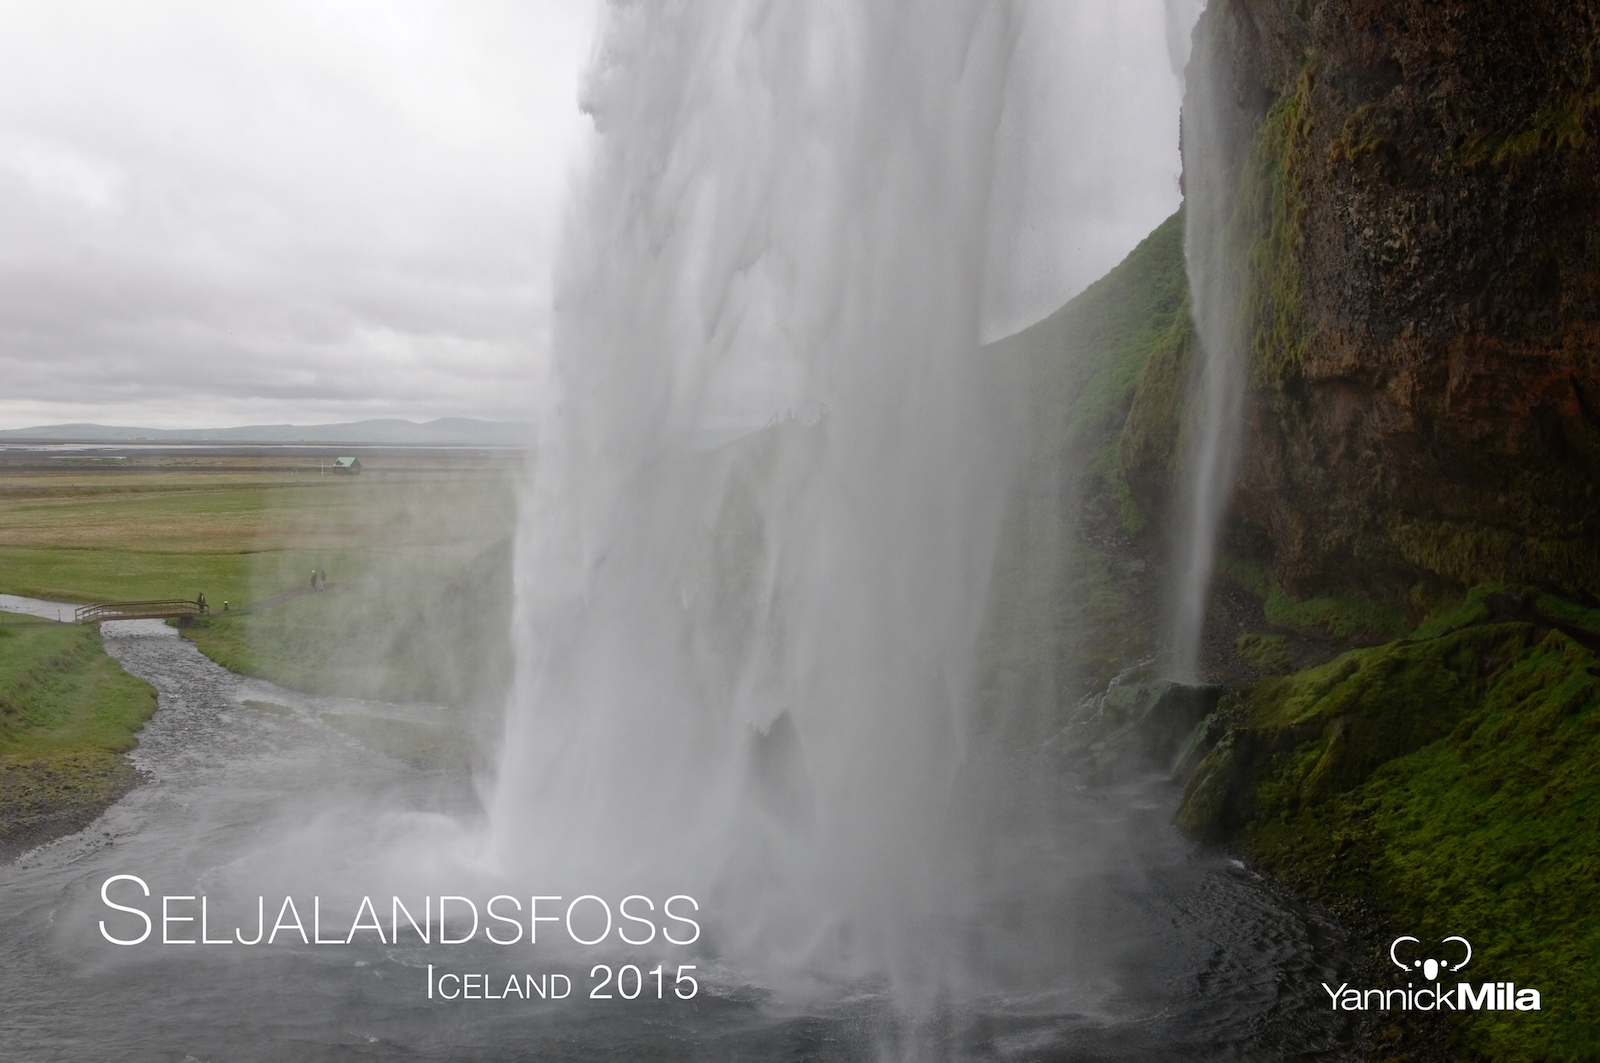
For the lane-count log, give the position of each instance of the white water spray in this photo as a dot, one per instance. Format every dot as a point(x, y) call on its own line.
point(746, 669)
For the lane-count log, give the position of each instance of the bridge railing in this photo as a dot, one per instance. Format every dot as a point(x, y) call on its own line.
point(148, 610)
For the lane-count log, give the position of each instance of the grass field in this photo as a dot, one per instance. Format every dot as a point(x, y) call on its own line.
point(238, 530)
point(66, 711)
point(416, 551)
point(435, 632)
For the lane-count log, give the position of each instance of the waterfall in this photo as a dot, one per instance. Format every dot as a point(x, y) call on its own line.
point(753, 561)
point(1215, 264)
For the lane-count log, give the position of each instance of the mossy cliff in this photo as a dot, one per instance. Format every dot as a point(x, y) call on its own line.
point(1418, 213)
point(1422, 181)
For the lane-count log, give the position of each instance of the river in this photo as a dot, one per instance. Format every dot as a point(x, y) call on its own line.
point(1197, 957)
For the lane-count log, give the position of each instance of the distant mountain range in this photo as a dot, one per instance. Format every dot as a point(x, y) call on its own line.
point(444, 431)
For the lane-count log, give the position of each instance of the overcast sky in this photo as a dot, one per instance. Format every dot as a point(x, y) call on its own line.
point(217, 213)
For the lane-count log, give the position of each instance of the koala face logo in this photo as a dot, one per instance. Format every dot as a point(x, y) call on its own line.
point(1430, 967)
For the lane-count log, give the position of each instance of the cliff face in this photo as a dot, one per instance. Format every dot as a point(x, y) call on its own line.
point(1414, 230)
point(1419, 205)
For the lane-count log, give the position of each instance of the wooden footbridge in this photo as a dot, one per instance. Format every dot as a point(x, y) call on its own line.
point(166, 608)
point(159, 608)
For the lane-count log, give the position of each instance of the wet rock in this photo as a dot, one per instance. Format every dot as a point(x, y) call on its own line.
point(1424, 187)
point(1135, 727)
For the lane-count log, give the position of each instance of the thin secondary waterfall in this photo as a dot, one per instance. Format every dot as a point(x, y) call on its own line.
point(1211, 439)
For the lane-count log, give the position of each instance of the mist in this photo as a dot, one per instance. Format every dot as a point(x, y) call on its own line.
point(746, 669)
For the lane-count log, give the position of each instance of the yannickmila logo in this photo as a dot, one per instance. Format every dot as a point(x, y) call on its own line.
point(1443, 958)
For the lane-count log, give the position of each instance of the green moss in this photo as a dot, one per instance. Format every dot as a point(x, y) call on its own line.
point(1453, 616)
point(1270, 218)
point(1355, 142)
point(1108, 470)
point(1485, 831)
point(1475, 553)
point(1440, 784)
point(1562, 126)
point(1563, 611)
point(1341, 616)
point(1344, 617)
point(1270, 653)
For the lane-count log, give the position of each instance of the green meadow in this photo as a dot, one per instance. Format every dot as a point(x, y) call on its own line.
point(66, 711)
point(417, 556)
point(237, 531)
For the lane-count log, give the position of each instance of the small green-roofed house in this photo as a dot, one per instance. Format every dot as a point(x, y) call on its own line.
point(349, 465)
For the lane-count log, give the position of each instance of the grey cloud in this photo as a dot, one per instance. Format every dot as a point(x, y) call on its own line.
point(291, 211)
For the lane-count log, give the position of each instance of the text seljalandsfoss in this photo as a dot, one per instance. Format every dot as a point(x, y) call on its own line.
point(504, 919)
